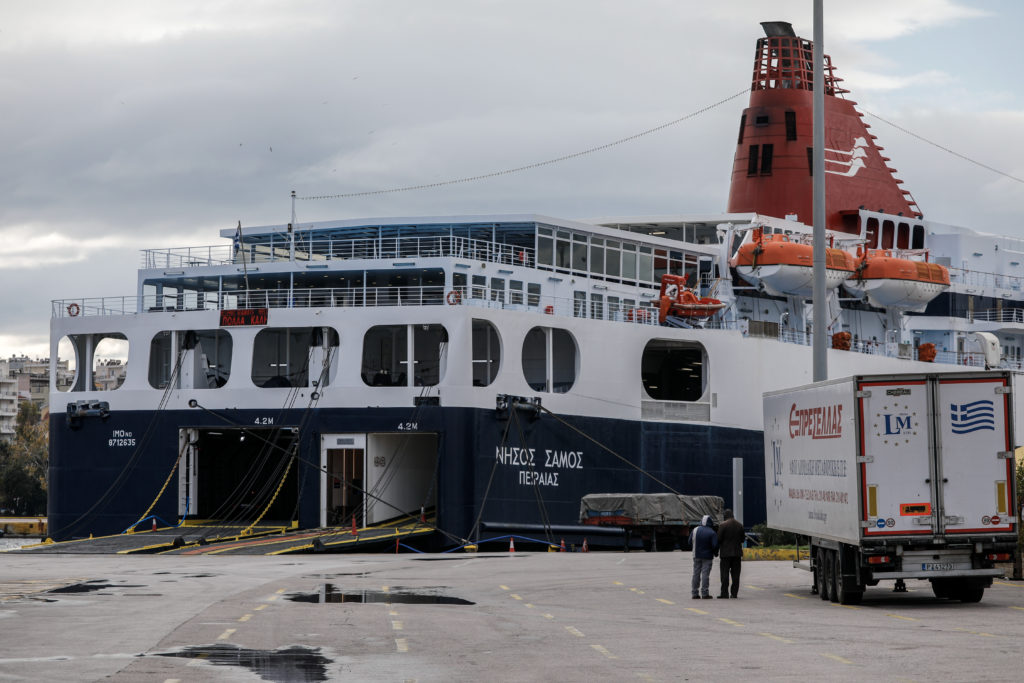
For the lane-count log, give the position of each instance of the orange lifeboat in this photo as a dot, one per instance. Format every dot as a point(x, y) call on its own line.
point(677, 300)
point(891, 281)
point(785, 267)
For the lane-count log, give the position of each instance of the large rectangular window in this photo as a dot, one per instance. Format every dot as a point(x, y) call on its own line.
point(752, 160)
point(612, 259)
point(579, 253)
point(791, 125)
point(596, 255)
point(532, 294)
point(579, 304)
point(629, 261)
point(767, 152)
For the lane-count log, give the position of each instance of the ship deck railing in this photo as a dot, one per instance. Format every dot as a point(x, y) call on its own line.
point(331, 249)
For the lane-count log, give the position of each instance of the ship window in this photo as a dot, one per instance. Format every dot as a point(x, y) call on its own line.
point(545, 251)
point(532, 294)
point(629, 261)
point(646, 272)
point(613, 308)
point(597, 256)
point(386, 354)
point(673, 370)
point(579, 253)
point(68, 361)
point(871, 233)
point(761, 120)
point(550, 360)
point(612, 259)
point(743, 124)
point(161, 360)
point(810, 161)
point(280, 357)
point(752, 160)
point(597, 306)
point(106, 368)
point(917, 241)
point(498, 289)
point(887, 234)
point(430, 345)
point(486, 353)
point(660, 263)
point(209, 364)
point(562, 259)
point(903, 236)
point(767, 152)
point(479, 287)
point(459, 283)
point(212, 358)
point(791, 125)
point(515, 291)
point(579, 304)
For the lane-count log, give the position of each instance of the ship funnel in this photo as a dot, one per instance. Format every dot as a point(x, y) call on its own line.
point(773, 174)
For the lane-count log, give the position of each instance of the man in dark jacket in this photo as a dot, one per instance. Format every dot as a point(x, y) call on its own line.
point(730, 544)
point(704, 543)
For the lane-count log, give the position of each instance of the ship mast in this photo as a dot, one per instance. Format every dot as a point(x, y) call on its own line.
point(818, 307)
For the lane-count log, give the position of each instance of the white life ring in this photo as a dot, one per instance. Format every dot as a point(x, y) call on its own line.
point(453, 298)
point(74, 309)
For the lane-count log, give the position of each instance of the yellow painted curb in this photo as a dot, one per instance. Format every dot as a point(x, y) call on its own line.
point(774, 554)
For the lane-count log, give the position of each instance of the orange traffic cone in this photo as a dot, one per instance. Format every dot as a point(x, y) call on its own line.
point(355, 531)
point(511, 544)
point(585, 549)
point(154, 524)
point(561, 548)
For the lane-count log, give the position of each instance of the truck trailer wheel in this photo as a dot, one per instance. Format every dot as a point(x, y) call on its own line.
point(845, 595)
point(942, 588)
point(967, 591)
point(832, 571)
point(821, 573)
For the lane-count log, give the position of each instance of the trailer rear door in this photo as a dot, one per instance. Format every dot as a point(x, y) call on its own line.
point(974, 462)
point(896, 463)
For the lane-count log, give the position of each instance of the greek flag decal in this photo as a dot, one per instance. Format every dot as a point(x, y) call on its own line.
point(971, 417)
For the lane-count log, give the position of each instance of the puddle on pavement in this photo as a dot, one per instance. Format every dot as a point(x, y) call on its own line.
point(89, 586)
point(330, 593)
point(285, 665)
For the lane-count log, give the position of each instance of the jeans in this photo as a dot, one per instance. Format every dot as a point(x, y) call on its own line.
point(701, 575)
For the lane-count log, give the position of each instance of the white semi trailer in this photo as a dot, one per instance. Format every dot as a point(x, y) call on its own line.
point(895, 477)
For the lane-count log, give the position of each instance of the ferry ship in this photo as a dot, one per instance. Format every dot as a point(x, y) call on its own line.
point(494, 369)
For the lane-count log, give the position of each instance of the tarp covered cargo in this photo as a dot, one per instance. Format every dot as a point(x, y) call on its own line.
point(649, 508)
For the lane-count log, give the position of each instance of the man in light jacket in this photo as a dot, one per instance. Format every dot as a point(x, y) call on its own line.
point(704, 542)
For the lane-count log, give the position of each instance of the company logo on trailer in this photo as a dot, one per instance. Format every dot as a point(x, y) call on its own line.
point(972, 417)
point(897, 423)
point(820, 422)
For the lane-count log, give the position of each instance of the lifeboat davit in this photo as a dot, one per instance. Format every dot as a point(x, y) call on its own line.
point(677, 300)
point(890, 281)
point(786, 268)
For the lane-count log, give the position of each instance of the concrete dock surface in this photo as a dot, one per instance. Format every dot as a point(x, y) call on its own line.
point(492, 616)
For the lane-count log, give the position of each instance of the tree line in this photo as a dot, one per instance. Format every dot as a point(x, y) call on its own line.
point(24, 462)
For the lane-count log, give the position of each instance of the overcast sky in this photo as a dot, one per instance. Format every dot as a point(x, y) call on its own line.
point(132, 125)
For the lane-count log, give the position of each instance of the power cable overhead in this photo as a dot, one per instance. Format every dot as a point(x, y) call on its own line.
point(528, 167)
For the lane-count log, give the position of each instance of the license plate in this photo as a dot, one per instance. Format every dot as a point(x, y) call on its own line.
point(936, 566)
